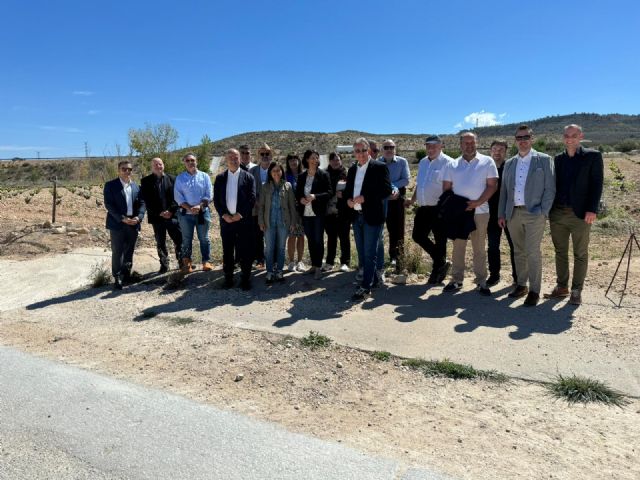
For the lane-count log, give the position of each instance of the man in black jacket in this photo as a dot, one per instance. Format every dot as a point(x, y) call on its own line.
point(157, 191)
point(234, 196)
point(368, 185)
point(579, 181)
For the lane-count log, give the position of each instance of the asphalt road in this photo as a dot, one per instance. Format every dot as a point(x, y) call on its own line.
point(61, 422)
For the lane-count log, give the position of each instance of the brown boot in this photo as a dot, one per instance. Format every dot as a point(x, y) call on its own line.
point(207, 267)
point(186, 266)
point(558, 292)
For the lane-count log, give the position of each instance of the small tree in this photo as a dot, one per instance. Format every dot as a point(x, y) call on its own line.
point(204, 153)
point(151, 141)
point(420, 154)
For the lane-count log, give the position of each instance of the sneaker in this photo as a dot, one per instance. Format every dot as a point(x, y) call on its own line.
point(443, 271)
point(452, 287)
point(279, 277)
point(292, 266)
point(483, 290)
point(317, 275)
point(558, 292)
point(345, 268)
point(360, 274)
point(360, 294)
point(269, 279)
point(493, 280)
point(327, 267)
point(576, 297)
point(301, 267)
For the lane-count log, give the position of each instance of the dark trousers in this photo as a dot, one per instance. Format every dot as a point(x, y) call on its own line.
point(258, 241)
point(160, 230)
point(314, 231)
point(494, 233)
point(395, 226)
point(123, 242)
point(237, 239)
point(337, 227)
point(426, 222)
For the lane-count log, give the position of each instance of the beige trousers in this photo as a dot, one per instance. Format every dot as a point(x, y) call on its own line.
point(478, 242)
point(526, 231)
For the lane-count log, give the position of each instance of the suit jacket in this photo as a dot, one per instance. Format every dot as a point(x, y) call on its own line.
point(321, 188)
point(376, 187)
point(539, 188)
point(151, 194)
point(586, 183)
point(246, 194)
point(116, 204)
point(255, 172)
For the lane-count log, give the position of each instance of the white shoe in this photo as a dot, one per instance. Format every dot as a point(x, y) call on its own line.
point(292, 266)
point(327, 268)
point(301, 267)
point(345, 268)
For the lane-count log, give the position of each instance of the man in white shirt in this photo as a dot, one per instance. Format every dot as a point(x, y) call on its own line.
point(526, 196)
point(426, 194)
point(475, 177)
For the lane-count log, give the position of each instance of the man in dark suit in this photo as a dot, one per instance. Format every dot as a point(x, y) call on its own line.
point(125, 211)
point(234, 196)
point(368, 186)
point(579, 181)
point(157, 191)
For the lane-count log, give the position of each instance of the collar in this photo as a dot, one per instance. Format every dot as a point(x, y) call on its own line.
point(394, 159)
point(236, 173)
point(527, 157)
point(125, 184)
point(365, 164)
point(579, 151)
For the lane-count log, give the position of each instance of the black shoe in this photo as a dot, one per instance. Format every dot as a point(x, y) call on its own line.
point(452, 287)
point(133, 277)
point(228, 283)
point(361, 294)
point(117, 284)
point(245, 285)
point(532, 299)
point(483, 290)
point(443, 271)
point(163, 269)
point(519, 292)
point(493, 280)
point(433, 278)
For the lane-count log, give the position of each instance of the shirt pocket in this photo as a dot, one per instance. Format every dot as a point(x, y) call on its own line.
point(436, 176)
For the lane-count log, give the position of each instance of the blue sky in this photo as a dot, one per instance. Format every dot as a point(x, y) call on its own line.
point(87, 71)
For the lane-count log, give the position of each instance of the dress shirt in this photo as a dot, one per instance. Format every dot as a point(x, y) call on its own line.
point(429, 179)
point(263, 175)
point(357, 184)
point(232, 191)
point(469, 179)
point(398, 172)
point(192, 189)
point(128, 196)
point(522, 171)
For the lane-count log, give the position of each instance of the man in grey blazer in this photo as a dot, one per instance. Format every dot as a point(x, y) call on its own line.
point(526, 196)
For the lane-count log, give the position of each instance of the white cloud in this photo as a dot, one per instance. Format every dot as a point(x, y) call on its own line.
point(55, 128)
point(83, 93)
point(482, 119)
point(23, 148)
point(93, 112)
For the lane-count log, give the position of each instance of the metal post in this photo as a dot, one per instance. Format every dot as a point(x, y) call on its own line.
point(55, 197)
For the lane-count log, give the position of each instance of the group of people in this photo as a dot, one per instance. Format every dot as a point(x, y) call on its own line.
point(266, 210)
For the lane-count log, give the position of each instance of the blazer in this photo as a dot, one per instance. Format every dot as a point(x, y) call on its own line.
point(321, 188)
point(587, 182)
point(246, 194)
point(151, 194)
point(376, 187)
point(539, 188)
point(255, 172)
point(116, 204)
point(287, 205)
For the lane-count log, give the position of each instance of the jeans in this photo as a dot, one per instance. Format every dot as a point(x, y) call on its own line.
point(187, 224)
point(367, 239)
point(160, 231)
point(276, 242)
point(314, 230)
point(123, 242)
point(494, 234)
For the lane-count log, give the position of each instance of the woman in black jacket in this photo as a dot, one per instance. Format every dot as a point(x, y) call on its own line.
point(313, 192)
point(337, 223)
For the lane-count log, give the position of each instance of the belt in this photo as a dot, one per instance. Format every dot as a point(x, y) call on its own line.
point(519, 206)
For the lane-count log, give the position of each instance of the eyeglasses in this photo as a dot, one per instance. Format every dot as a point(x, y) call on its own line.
point(375, 150)
point(245, 153)
point(523, 138)
point(124, 169)
point(265, 154)
point(361, 150)
point(189, 160)
point(389, 147)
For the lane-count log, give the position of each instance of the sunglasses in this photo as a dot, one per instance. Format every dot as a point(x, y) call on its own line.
point(388, 147)
point(245, 153)
point(375, 150)
point(263, 154)
point(362, 150)
point(523, 138)
point(126, 169)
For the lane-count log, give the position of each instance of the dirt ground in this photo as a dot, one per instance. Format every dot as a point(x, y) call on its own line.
point(466, 428)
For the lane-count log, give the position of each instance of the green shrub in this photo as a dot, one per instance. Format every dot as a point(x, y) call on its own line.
point(576, 389)
point(315, 340)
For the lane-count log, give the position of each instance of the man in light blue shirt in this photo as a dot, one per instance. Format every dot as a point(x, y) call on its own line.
point(193, 192)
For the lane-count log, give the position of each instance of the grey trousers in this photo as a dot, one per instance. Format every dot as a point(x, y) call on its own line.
point(526, 231)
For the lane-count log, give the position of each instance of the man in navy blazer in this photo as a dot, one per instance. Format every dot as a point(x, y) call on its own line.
point(234, 196)
point(125, 211)
point(368, 186)
point(526, 194)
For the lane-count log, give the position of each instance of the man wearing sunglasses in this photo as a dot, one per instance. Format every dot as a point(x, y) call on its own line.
point(526, 195)
point(125, 211)
point(367, 188)
point(260, 176)
point(245, 158)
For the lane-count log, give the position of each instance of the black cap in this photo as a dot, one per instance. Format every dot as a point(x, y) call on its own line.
point(432, 139)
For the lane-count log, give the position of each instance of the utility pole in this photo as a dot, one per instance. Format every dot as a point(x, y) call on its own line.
point(86, 150)
point(38, 155)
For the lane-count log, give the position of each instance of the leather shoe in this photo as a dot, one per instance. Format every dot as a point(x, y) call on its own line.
point(163, 269)
point(558, 292)
point(117, 284)
point(228, 283)
point(207, 267)
point(519, 292)
point(493, 280)
point(532, 299)
point(576, 297)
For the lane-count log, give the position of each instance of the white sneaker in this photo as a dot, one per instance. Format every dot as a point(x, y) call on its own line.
point(344, 268)
point(326, 267)
point(360, 274)
point(292, 266)
point(301, 267)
